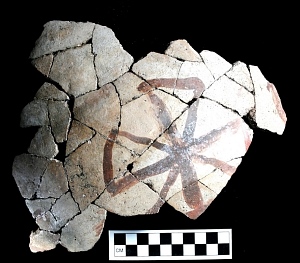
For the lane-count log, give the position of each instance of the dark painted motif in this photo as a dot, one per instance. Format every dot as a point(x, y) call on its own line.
point(181, 149)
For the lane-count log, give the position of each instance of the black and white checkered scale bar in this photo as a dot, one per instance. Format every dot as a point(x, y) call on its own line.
point(170, 244)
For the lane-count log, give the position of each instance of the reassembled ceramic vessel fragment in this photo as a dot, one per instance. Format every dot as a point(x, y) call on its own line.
point(168, 128)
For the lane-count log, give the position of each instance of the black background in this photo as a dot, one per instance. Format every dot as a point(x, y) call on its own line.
point(254, 202)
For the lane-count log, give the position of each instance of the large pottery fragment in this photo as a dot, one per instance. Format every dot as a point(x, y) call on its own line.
point(169, 128)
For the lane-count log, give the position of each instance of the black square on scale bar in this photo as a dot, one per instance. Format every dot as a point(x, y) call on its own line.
point(211, 238)
point(131, 250)
point(188, 238)
point(154, 250)
point(177, 250)
point(119, 239)
point(165, 238)
point(142, 239)
point(223, 249)
point(200, 249)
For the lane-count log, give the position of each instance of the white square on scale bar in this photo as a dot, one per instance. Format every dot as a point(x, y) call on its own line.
point(212, 249)
point(120, 250)
point(189, 250)
point(143, 250)
point(177, 238)
point(223, 237)
point(166, 250)
point(131, 239)
point(154, 238)
point(200, 238)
